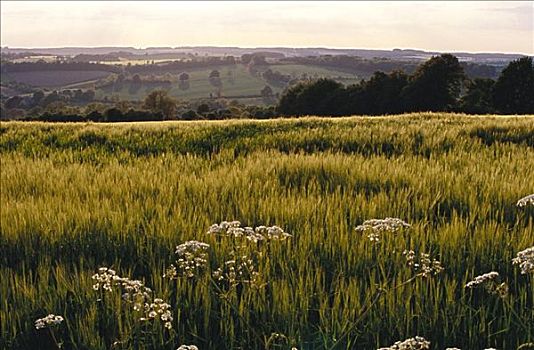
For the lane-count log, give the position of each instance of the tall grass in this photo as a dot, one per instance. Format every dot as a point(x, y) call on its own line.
point(75, 197)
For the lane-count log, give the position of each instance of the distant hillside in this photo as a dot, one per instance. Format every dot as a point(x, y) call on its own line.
point(397, 54)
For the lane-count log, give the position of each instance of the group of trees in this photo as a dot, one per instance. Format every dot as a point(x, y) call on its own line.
point(439, 84)
point(158, 105)
point(366, 67)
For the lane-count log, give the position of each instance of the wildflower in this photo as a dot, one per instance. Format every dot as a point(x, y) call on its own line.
point(159, 310)
point(134, 292)
point(417, 343)
point(453, 349)
point(482, 279)
point(523, 202)
point(192, 258)
point(242, 270)
point(272, 233)
point(50, 320)
point(425, 266)
point(260, 233)
point(375, 227)
point(525, 260)
point(222, 228)
point(187, 347)
point(490, 282)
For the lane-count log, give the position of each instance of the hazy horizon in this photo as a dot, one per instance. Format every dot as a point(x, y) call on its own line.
point(489, 27)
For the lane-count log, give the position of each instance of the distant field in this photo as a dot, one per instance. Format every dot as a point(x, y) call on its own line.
point(236, 81)
point(54, 78)
point(76, 197)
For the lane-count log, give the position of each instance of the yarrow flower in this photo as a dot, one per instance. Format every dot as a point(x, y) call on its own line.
point(375, 227)
point(260, 233)
point(417, 343)
point(187, 347)
point(48, 321)
point(134, 292)
point(192, 258)
point(489, 281)
point(523, 202)
point(525, 260)
point(424, 265)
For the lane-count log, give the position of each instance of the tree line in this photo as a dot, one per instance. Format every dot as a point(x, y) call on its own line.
point(439, 84)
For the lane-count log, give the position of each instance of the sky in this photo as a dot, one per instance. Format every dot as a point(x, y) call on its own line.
point(479, 26)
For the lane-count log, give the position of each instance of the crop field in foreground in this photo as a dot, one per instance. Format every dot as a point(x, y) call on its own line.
point(78, 197)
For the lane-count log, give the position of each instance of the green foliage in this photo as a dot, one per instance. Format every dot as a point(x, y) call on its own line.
point(435, 85)
point(479, 97)
point(514, 90)
point(160, 102)
point(79, 196)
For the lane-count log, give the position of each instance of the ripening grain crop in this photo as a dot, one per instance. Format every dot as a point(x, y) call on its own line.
point(303, 267)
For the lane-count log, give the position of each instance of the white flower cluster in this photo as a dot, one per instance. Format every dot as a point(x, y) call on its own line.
point(525, 260)
point(240, 270)
point(375, 227)
point(425, 266)
point(417, 343)
point(187, 347)
point(260, 233)
point(523, 202)
point(490, 282)
point(50, 320)
point(158, 310)
point(136, 293)
point(453, 349)
point(191, 261)
point(482, 279)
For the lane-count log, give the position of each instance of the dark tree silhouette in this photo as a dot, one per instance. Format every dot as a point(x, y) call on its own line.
point(478, 98)
point(435, 85)
point(514, 90)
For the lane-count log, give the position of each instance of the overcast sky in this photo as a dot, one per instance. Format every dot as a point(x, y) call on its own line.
point(442, 26)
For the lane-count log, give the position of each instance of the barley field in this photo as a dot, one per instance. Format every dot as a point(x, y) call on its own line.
point(76, 198)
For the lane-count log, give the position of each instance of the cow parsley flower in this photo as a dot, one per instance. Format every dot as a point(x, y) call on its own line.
point(241, 270)
point(192, 259)
point(523, 202)
point(489, 281)
point(424, 265)
point(159, 310)
point(525, 260)
point(48, 321)
point(135, 293)
point(260, 233)
point(223, 227)
point(417, 343)
point(187, 347)
point(374, 228)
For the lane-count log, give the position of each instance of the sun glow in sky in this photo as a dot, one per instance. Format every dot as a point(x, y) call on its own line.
point(441, 26)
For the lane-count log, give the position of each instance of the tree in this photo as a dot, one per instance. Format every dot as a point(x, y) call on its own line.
point(38, 96)
point(158, 101)
point(13, 102)
point(382, 93)
point(215, 78)
point(183, 81)
point(435, 85)
point(320, 97)
point(267, 94)
point(479, 97)
point(514, 90)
